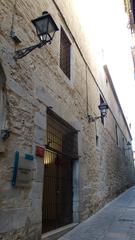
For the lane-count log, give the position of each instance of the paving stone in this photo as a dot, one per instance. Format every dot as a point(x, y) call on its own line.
point(113, 222)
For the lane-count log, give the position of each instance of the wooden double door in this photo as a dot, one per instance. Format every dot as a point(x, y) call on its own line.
point(58, 175)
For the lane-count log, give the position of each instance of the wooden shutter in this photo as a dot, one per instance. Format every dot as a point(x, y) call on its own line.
point(65, 53)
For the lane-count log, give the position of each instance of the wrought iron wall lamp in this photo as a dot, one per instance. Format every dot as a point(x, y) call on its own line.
point(103, 107)
point(45, 28)
point(128, 146)
point(5, 133)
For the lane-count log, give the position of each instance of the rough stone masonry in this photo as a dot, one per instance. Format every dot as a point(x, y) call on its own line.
point(33, 84)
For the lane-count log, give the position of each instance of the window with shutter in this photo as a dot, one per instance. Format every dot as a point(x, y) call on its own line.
point(102, 101)
point(116, 131)
point(65, 47)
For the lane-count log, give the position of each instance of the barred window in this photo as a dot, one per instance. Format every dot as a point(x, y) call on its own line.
point(65, 46)
point(116, 130)
point(102, 101)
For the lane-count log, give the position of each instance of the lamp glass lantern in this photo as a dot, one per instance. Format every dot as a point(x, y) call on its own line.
point(103, 109)
point(45, 27)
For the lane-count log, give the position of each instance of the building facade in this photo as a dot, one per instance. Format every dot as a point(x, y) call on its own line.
point(56, 165)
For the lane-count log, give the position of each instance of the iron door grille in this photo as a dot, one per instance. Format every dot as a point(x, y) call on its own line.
point(61, 151)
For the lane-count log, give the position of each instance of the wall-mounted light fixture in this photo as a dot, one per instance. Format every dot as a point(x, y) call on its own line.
point(5, 133)
point(103, 111)
point(128, 146)
point(45, 28)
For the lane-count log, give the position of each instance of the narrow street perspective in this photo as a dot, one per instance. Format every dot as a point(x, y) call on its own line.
point(116, 221)
point(67, 119)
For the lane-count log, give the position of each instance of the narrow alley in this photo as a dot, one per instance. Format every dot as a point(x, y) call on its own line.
point(67, 120)
point(116, 221)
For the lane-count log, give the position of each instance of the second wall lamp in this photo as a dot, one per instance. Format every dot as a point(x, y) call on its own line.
point(45, 28)
point(103, 107)
point(129, 147)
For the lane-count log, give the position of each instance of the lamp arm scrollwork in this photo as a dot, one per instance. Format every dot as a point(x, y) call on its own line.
point(92, 119)
point(23, 52)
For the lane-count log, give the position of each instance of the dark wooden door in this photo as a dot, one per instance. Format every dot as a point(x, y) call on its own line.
point(57, 196)
point(58, 171)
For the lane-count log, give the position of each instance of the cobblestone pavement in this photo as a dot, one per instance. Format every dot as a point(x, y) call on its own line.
point(116, 221)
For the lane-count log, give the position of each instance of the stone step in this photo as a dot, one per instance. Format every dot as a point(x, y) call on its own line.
point(57, 233)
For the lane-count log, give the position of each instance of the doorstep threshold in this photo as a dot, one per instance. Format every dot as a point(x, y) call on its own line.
point(58, 232)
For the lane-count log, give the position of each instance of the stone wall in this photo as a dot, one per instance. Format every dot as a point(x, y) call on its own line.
point(37, 82)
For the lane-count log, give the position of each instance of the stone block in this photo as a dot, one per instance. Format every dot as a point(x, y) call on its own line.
point(12, 219)
point(2, 146)
point(40, 120)
point(40, 135)
point(39, 169)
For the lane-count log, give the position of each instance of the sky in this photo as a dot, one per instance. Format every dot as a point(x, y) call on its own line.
point(106, 26)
